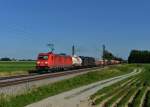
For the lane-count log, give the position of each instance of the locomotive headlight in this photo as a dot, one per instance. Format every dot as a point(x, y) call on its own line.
point(46, 62)
point(38, 62)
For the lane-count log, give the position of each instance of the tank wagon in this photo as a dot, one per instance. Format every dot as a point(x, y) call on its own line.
point(76, 61)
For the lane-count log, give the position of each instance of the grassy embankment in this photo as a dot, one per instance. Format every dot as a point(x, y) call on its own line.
point(9, 68)
point(62, 86)
point(132, 92)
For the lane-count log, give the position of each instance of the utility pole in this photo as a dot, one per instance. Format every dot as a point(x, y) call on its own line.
point(51, 47)
point(73, 50)
point(103, 46)
point(104, 51)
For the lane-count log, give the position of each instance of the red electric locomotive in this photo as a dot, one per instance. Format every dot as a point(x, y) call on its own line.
point(50, 61)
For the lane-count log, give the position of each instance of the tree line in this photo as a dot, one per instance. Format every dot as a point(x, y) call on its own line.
point(109, 56)
point(13, 59)
point(139, 56)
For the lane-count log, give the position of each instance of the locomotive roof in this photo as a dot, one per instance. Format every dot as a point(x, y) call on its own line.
point(45, 53)
point(53, 54)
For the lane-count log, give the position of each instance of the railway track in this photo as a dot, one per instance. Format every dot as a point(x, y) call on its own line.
point(17, 76)
point(9, 81)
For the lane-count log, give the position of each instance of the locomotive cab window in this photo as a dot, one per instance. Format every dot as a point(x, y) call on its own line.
point(45, 57)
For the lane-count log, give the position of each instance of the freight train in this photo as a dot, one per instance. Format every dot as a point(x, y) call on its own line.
point(49, 62)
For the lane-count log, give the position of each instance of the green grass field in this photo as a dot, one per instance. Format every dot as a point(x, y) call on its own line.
point(8, 68)
point(132, 92)
point(62, 86)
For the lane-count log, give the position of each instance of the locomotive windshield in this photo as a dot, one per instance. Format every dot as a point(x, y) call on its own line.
point(43, 57)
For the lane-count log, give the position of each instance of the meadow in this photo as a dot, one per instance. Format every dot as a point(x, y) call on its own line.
point(9, 68)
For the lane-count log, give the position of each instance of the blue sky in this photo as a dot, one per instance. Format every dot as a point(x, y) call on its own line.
point(26, 26)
